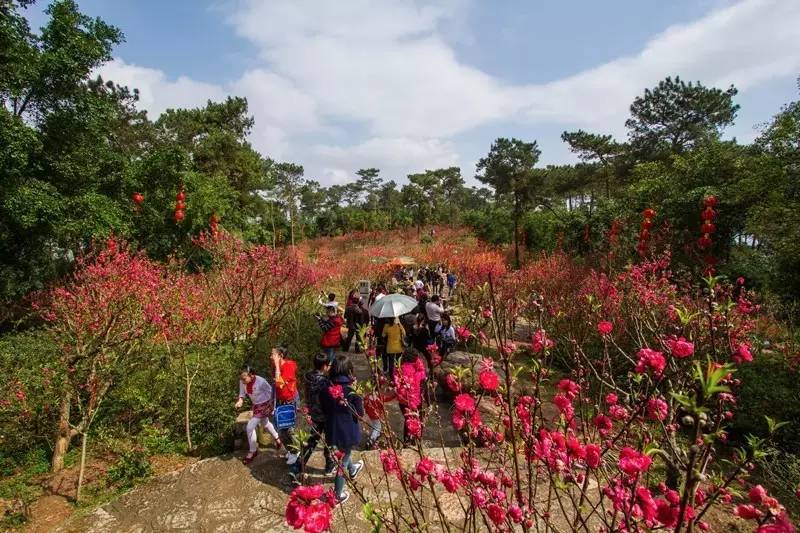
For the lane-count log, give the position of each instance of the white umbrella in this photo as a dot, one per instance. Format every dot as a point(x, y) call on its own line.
point(393, 305)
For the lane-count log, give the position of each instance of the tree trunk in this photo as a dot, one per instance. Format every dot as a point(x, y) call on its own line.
point(84, 439)
point(187, 405)
point(63, 435)
point(516, 237)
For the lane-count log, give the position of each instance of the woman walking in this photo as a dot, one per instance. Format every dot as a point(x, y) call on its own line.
point(343, 408)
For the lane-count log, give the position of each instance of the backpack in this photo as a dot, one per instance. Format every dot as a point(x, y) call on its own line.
point(285, 416)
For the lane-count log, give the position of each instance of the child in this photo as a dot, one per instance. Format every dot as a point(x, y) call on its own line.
point(316, 381)
point(331, 327)
point(343, 408)
point(394, 334)
point(330, 302)
point(260, 394)
point(285, 388)
point(408, 385)
point(376, 411)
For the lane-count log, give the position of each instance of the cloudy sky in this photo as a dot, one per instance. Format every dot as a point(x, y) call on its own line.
point(406, 85)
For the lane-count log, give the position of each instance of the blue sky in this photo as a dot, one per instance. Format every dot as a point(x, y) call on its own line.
point(406, 85)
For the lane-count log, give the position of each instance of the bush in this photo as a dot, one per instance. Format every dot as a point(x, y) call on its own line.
point(131, 466)
point(769, 387)
point(27, 394)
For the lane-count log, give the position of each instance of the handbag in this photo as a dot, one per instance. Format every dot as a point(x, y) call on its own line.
point(285, 416)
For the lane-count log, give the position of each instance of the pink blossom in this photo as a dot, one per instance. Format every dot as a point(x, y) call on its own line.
point(611, 398)
point(496, 513)
point(748, 512)
point(464, 403)
point(618, 412)
point(569, 388)
point(540, 342)
point(604, 328)
point(632, 462)
point(603, 423)
point(425, 467)
point(592, 455)
point(451, 382)
point(463, 333)
point(680, 347)
point(742, 353)
point(489, 380)
point(414, 426)
point(336, 392)
point(657, 409)
point(650, 360)
point(757, 494)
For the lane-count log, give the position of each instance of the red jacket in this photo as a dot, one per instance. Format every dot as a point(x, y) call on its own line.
point(286, 385)
point(332, 337)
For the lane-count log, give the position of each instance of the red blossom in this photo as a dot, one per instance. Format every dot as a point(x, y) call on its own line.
point(604, 328)
point(632, 462)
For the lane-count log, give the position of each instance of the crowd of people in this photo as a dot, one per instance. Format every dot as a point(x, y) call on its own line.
point(406, 346)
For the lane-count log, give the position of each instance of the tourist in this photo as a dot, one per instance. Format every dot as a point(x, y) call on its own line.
point(421, 336)
point(261, 396)
point(451, 282)
point(328, 301)
point(445, 335)
point(394, 334)
point(343, 407)
point(374, 407)
point(352, 319)
point(285, 390)
point(433, 311)
point(316, 382)
point(331, 326)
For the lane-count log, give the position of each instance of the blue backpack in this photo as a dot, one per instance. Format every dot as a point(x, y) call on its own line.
point(285, 416)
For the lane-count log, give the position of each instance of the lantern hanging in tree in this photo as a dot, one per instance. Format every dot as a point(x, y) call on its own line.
point(137, 198)
point(181, 196)
point(179, 215)
point(708, 228)
point(644, 232)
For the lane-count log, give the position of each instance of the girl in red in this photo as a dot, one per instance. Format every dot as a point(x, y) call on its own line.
point(331, 327)
point(376, 411)
point(285, 390)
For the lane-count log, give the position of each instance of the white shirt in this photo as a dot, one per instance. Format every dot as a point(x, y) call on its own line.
point(434, 311)
point(262, 391)
point(419, 284)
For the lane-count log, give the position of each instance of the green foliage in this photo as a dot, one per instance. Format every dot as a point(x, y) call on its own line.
point(27, 391)
point(769, 388)
point(676, 116)
point(131, 466)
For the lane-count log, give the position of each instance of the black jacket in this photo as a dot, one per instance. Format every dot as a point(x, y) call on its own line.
point(341, 427)
point(316, 382)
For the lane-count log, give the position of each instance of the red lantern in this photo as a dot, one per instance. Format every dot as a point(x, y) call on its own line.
point(138, 197)
point(647, 224)
point(181, 196)
point(180, 206)
point(708, 214)
point(644, 235)
point(704, 241)
point(710, 201)
point(179, 215)
point(649, 213)
point(708, 227)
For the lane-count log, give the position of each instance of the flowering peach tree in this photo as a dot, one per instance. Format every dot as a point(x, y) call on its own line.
point(632, 437)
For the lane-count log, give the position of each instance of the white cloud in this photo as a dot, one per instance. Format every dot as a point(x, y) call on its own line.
point(354, 83)
point(157, 93)
point(395, 157)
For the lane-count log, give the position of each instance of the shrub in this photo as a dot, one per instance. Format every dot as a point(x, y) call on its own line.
point(131, 466)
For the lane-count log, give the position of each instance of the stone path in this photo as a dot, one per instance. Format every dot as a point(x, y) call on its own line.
point(222, 494)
